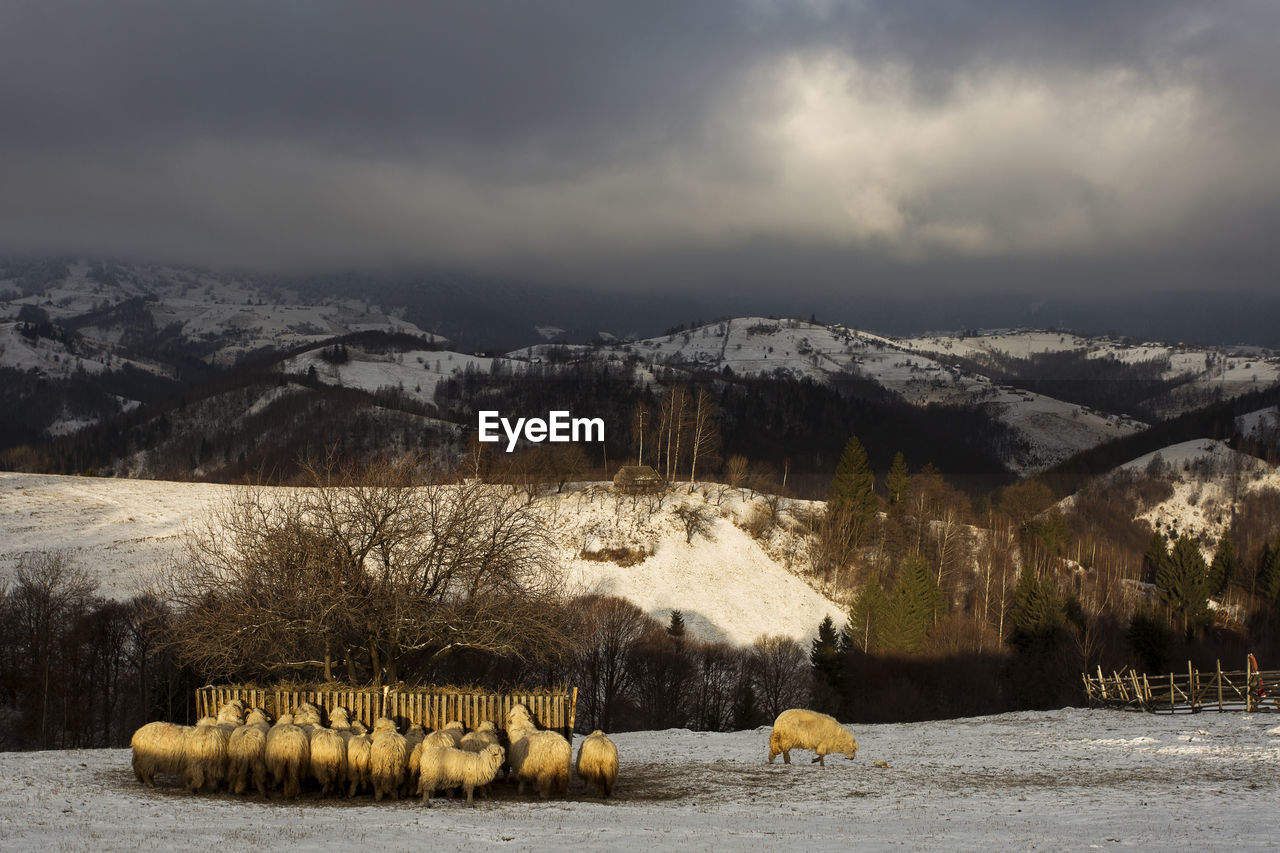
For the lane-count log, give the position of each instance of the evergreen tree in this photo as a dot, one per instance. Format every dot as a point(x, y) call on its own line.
point(1156, 556)
point(675, 628)
point(1037, 610)
point(899, 480)
point(1225, 565)
point(852, 498)
point(1269, 574)
point(1183, 580)
point(826, 656)
point(863, 628)
point(914, 608)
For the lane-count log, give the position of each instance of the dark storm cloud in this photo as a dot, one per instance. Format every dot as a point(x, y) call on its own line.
point(617, 142)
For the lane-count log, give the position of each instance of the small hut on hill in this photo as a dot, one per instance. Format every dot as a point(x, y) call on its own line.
point(637, 480)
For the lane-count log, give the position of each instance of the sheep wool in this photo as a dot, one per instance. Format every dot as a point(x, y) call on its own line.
point(799, 728)
point(288, 755)
point(206, 764)
point(358, 753)
point(328, 760)
point(159, 748)
point(598, 762)
point(541, 758)
point(445, 768)
point(387, 760)
point(247, 754)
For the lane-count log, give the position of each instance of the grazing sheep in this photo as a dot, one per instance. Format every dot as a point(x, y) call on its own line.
point(538, 757)
point(358, 753)
point(387, 759)
point(159, 748)
point(598, 762)
point(288, 755)
point(206, 764)
point(328, 760)
point(339, 719)
point(455, 730)
point(414, 735)
point(445, 768)
point(799, 728)
point(476, 741)
point(247, 754)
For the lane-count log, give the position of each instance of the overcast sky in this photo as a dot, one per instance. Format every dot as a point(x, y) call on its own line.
point(821, 145)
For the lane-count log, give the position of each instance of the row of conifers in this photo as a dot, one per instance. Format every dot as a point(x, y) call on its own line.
point(236, 750)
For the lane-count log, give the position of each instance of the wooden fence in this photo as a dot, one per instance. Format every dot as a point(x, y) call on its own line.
point(1190, 691)
point(431, 709)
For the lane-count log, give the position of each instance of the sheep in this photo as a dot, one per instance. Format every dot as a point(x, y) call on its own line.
point(288, 754)
point(449, 767)
point(387, 758)
point(206, 756)
point(339, 719)
point(539, 757)
point(413, 738)
point(455, 730)
point(247, 754)
point(598, 762)
point(159, 748)
point(328, 760)
point(358, 751)
point(799, 728)
point(485, 735)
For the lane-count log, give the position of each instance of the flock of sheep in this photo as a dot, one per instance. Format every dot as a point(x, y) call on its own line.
point(233, 751)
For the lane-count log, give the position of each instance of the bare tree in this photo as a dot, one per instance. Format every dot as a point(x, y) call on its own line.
point(780, 673)
point(696, 520)
point(365, 562)
point(704, 442)
point(49, 592)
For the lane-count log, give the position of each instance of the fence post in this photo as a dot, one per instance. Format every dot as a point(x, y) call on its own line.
point(1248, 684)
point(1191, 688)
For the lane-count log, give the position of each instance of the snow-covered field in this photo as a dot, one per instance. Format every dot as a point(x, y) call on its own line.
point(728, 586)
point(1071, 779)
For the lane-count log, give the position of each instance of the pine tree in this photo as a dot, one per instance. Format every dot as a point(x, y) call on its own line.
point(899, 480)
point(1184, 583)
point(863, 630)
point(1156, 556)
point(852, 498)
point(675, 628)
point(914, 608)
point(1269, 574)
point(826, 656)
point(1225, 565)
point(1037, 611)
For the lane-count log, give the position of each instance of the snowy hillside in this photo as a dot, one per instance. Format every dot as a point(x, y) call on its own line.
point(1201, 473)
point(728, 587)
point(1069, 779)
point(757, 346)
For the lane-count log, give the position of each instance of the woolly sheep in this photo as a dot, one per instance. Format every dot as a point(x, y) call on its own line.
point(328, 760)
point(799, 728)
point(288, 755)
point(387, 759)
point(159, 748)
point(447, 767)
point(455, 730)
point(538, 757)
point(206, 764)
point(413, 738)
point(598, 762)
point(247, 754)
point(339, 719)
point(358, 753)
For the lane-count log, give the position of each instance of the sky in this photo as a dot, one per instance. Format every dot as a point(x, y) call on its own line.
point(825, 147)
